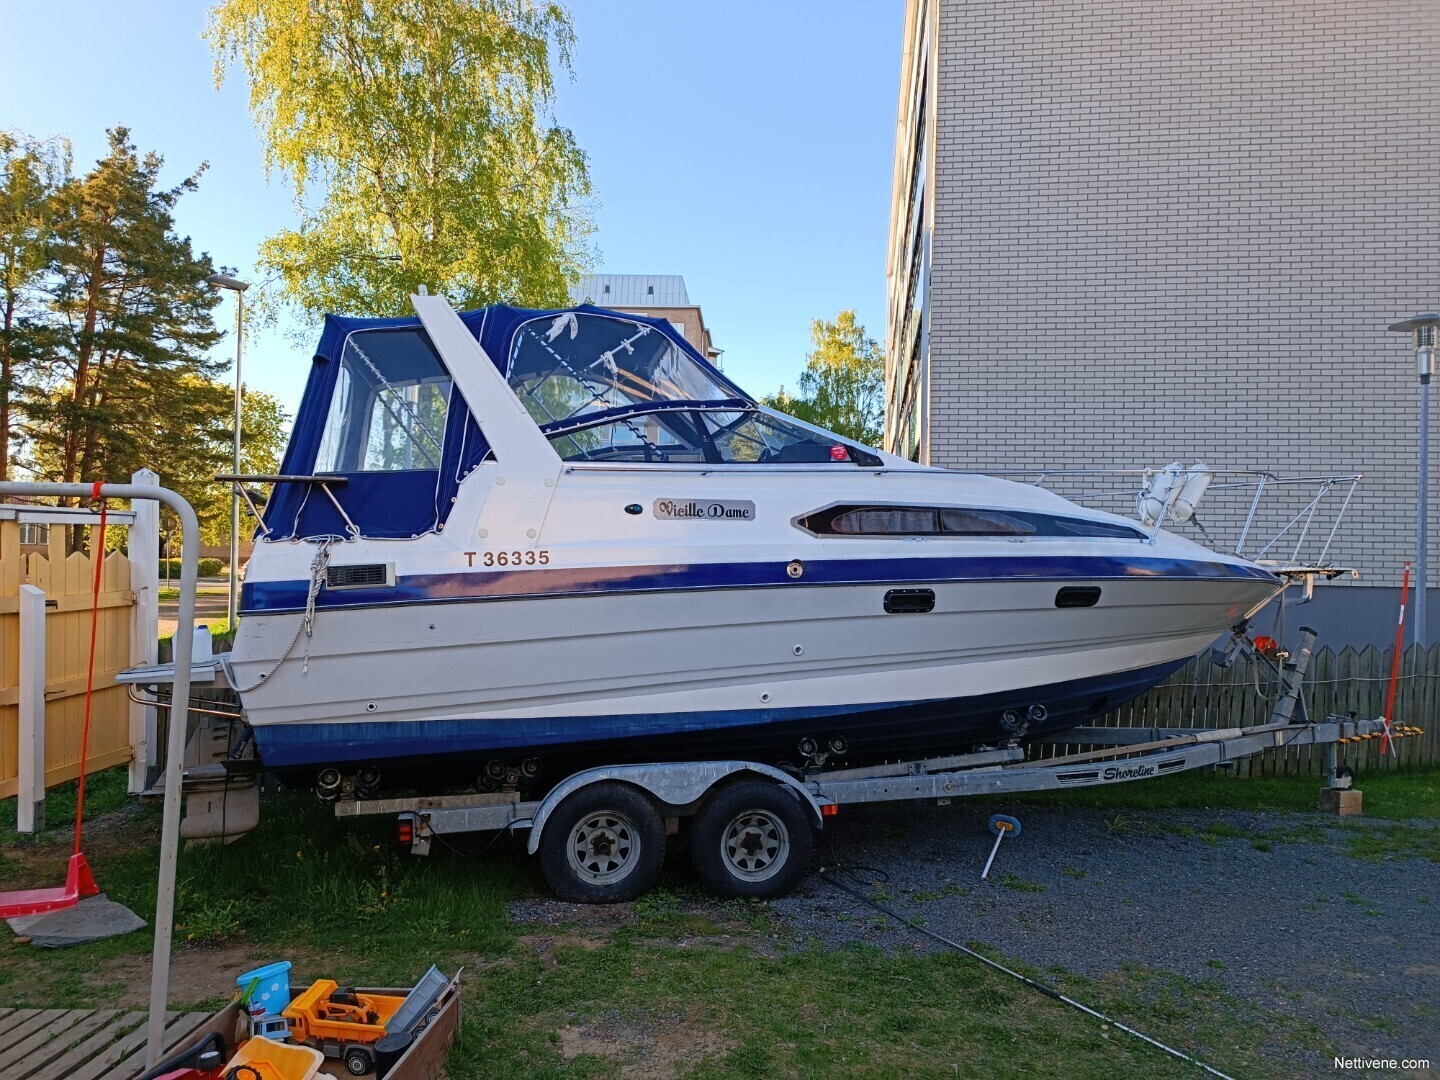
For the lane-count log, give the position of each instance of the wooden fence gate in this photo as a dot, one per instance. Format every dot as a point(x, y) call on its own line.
point(45, 601)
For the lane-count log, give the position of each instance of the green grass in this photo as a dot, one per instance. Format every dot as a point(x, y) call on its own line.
point(1395, 795)
point(1375, 842)
point(1400, 808)
point(1019, 884)
point(104, 793)
point(220, 631)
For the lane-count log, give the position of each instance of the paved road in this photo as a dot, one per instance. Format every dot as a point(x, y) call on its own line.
point(212, 599)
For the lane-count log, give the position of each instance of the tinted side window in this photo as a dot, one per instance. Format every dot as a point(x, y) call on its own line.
point(885, 521)
point(956, 521)
point(984, 523)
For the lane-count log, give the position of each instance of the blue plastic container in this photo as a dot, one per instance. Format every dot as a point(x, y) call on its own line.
point(273, 993)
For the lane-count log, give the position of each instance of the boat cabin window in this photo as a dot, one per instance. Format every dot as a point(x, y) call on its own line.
point(761, 438)
point(388, 412)
point(955, 521)
point(567, 365)
point(607, 388)
point(701, 436)
point(924, 521)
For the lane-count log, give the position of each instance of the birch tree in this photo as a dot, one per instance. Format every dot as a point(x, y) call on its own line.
point(842, 387)
point(419, 139)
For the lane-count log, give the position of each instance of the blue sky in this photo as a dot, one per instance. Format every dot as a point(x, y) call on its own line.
point(744, 145)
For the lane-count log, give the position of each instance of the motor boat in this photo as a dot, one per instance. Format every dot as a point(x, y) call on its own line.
point(504, 539)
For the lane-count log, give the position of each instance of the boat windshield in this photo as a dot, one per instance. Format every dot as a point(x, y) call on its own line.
point(575, 363)
point(607, 388)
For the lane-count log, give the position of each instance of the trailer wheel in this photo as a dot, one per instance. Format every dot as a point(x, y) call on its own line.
point(603, 845)
point(751, 839)
point(357, 1062)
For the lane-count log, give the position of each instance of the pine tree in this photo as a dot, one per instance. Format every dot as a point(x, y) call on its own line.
point(128, 382)
point(31, 172)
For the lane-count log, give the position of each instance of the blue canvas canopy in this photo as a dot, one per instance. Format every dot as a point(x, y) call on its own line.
point(407, 498)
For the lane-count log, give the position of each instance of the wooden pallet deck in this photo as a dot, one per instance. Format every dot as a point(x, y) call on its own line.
point(86, 1044)
point(109, 1044)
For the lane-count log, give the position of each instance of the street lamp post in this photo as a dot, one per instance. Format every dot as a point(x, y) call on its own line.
point(1423, 331)
point(238, 287)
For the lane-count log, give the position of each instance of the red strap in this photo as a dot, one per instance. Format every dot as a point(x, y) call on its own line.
point(97, 554)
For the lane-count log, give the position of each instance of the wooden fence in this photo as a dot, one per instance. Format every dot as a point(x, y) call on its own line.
point(1345, 683)
point(125, 637)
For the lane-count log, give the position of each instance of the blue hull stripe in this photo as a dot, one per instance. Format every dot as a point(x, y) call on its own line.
point(276, 596)
point(880, 728)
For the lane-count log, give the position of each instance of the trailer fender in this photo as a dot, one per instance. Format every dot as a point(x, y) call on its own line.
point(675, 783)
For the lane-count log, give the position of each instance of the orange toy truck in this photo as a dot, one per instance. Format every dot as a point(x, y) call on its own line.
point(341, 1022)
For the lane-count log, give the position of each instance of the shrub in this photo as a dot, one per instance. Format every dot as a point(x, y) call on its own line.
point(207, 568)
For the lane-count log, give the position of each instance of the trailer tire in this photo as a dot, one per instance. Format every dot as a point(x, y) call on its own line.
point(603, 845)
point(751, 839)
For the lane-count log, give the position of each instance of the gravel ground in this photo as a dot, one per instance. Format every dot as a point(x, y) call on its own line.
point(1349, 944)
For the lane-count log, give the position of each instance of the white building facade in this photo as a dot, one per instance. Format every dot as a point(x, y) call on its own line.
point(1126, 232)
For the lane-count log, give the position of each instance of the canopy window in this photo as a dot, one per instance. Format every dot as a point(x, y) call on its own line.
point(394, 426)
point(566, 366)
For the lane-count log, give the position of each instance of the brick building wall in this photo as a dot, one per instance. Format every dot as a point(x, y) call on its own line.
point(1178, 230)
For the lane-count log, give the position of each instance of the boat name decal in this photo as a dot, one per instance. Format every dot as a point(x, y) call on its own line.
point(698, 510)
point(1129, 772)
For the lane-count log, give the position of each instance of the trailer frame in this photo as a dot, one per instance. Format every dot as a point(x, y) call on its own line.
point(621, 810)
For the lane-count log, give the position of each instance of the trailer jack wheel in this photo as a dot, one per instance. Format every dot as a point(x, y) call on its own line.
point(603, 845)
point(751, 839)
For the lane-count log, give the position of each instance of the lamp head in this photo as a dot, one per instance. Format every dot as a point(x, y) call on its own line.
point(1424, 330)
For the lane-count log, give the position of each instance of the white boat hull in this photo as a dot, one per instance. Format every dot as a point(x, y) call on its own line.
point(558, 674)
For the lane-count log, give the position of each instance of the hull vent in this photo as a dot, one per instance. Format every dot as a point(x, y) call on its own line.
point(909, 601)
point(363, 576)
point(1078, 596)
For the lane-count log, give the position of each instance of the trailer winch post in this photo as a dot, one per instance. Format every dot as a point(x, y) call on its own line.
point(1292, 679)
point(175, 744)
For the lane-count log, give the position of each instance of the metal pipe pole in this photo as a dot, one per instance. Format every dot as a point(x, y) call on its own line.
point(175, 744)
point(1423, 331)
point(1422, 511)
point(235, 495)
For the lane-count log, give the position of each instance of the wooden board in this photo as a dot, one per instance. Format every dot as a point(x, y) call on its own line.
point(85, 1044)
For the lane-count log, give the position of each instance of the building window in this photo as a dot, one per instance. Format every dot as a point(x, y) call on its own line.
point(607, 288)
point(31, 533)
